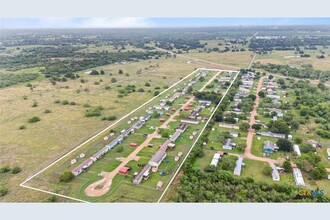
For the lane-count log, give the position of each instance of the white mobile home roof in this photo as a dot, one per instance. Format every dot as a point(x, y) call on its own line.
point(298, 178)
point(297, 150)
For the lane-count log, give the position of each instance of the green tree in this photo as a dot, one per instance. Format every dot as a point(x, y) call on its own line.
point(16, 169)
point(287, 166)
point(120, 72)
point(66, 176)
point(284, 145)
point(113, 80)
point(267, 170)
point(3, 191)
point(319, 173)
point(4, 169)
point(244, 126)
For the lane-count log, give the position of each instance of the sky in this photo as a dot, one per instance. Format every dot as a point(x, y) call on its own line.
point(138, 22)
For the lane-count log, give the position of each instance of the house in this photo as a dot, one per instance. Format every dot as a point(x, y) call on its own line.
point(234, 134)
point(273, 96)
point(314, 143)
point(328, 151)
point(238, 166)
point(156, 159)
point(206, 103)
point(275, 173)
point(270, 134)
point(298, 178)
point(224, 125)
point(190, 121)
point(82, 167)
point(182, 127)
point(175, 136)
point(164, 146)
point(215, 160)
point(228, 144)
point(124, 170)
point(269, 147)
point(297, 150)
point(143, 174)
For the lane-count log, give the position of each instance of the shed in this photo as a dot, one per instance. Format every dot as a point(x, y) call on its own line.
point(124, 170)
point(162, 120)
point(133, 145)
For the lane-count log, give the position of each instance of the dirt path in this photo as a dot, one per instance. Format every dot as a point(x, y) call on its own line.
point(249, 139)
point(102, 186)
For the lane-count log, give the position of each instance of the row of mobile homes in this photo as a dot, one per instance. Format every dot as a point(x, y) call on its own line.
point(229, 144)
point(216, 158)
point(296, 149)
point(269, 147)
point(143, 174)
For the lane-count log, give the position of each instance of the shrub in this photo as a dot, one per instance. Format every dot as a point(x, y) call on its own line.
point(287, 166)
point(35, 104)
point(96, 83)
point(66, 177)
point(4, 169)
point(140, 90)
point(72, 103)
point(284, 145)
point(267, 170)
point(57, 101)
point(47, 111)
point(16, 169)
point(107, 87)
point(65, 102)
point(22, 127)
point(3, 191)
point(113, 80)
point(33, 119)
point(119, 149)
point(86, 105)
point(156, 93)
point(147, 84)
point(52, 199)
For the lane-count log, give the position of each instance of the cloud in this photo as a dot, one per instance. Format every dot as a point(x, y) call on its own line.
point(63, 22)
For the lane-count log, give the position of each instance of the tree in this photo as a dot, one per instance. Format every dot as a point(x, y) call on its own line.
point(261, 94)
point(94, 72)
point(244, 126)
point(287, 166)
point(256, 126)
point(147, 84)
point(270, 77)
point(119, 149)
point(267, 170)
point(35, 104)
point(120, 72)
point(113, 80)
point(33, 119)
point(319, 172)
point(102, 72)
point(22, 127)
point(16, 169)
point(3, 191)
point(66, 176)
point(156, 93)
point(284, 145)
point(305, 148)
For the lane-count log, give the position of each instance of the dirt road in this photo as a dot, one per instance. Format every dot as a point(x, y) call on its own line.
point(249, 139)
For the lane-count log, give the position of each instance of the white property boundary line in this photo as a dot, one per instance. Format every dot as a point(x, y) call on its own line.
point(100, 132)
point(178, 169)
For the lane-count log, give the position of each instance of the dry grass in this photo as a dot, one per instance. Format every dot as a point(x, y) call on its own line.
point(66, 126)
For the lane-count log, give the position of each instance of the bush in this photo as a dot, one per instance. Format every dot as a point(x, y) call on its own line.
point(107, 87)
point(298, 140)
point(113, 80)
point(72, 103)
point(3, 191)
point(284, 145)
point(35, 104)
point(287, 166)
point(4, 169)
point(33, 119)
point(86, 105)
point(156, 93)
point(16, 169)
point(47, 111)
point(147, 84)
point(22, 127)
point(52, 199)
point(140, 90)
point(267, 170)
point(65, 102)
point(66, 177)
point(96, 83)
point(305, 148)
point(119, 149)
point(57, 101)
